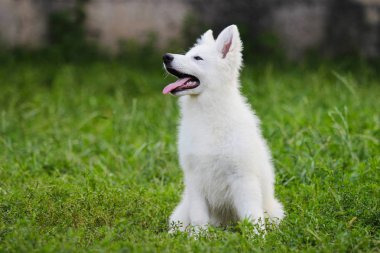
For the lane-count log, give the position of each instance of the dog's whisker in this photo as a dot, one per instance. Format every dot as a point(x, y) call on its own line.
point(165, 75)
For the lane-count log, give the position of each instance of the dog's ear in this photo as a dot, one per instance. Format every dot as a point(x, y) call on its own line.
point(228, 41)
point(207, 37)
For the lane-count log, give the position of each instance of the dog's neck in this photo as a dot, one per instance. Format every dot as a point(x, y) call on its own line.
point(224, 99)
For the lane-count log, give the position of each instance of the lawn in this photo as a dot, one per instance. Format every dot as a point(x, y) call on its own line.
point(88, 158)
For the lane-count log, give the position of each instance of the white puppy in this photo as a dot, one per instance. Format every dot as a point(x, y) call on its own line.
point(228, 172)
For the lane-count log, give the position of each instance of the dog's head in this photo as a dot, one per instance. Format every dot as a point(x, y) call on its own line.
point(208, 66)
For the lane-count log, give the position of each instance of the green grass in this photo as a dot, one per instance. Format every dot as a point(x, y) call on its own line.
point(88, 158)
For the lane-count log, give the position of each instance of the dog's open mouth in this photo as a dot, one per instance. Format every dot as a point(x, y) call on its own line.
point(184, 82)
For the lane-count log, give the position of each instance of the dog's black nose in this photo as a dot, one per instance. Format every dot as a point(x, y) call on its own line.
point(168, 58)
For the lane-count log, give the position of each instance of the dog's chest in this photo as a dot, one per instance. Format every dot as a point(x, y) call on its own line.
point(208, 162)
point(200, 136)
point(213, 152)
point(213, 175)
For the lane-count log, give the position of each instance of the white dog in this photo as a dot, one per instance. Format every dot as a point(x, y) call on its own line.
point(228, 172)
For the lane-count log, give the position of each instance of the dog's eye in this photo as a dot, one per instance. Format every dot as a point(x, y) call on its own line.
point(198, 58)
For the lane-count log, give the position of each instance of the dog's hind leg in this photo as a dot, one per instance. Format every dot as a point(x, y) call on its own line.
point(274, 210)
point(272, 207)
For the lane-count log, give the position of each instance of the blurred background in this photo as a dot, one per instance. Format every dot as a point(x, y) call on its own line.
point(291, 29)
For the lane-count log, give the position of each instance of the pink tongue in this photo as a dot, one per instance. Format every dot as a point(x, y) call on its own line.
point(175, 85)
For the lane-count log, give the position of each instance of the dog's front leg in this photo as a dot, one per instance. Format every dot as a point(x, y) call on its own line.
point(247, 197)
point(179, 220)
point(199, 213)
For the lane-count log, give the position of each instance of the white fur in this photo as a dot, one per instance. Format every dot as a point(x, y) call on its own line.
point(228, 172)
